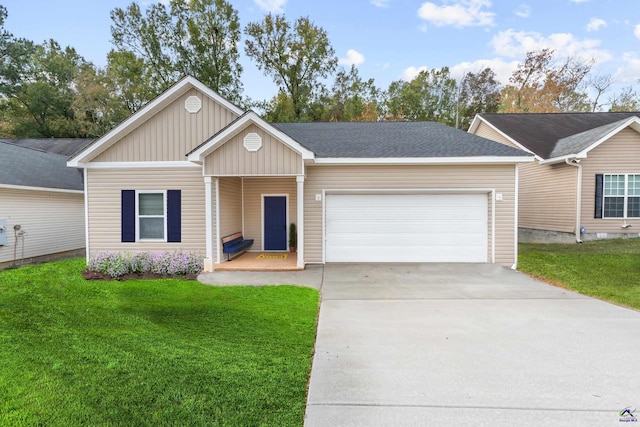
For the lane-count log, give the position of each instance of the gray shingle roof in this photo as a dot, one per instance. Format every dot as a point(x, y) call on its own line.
point(36, 168)
point(65, 146)
point(392, 139)
point(556, 134)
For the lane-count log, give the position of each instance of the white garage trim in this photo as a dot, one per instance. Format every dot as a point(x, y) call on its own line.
point(488, 192)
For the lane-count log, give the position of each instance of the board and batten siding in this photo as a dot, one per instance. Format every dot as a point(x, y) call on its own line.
point(105, 188)
point(53, 222)
point(171, 133)
point(548, 197)
point(619, 154)
point(230, 191)
point(253, 190)
point(424, 178)
point(233, 159)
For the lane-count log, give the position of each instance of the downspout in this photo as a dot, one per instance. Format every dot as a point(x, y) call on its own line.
point(576, 163)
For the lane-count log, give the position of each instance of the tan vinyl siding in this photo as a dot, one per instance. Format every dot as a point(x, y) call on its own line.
point(274, 158)
point(53, 222)
point(104, 198)
point(620, 154)
point(486, 131)
point(547, 197)
point(254, 189)
point(500, 177)
point(230, 206)
point(171, 133)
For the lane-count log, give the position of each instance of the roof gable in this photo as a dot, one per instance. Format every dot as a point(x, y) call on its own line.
point(250, 117)
point(549, 134)
point(145, 114)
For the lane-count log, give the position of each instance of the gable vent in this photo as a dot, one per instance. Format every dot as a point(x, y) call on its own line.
point(252, 142)
point(193, 104)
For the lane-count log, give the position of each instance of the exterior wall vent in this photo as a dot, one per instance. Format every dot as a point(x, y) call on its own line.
point(193, 104)
point(252, 142)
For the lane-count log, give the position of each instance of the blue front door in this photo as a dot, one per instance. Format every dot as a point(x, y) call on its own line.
point(275, 223)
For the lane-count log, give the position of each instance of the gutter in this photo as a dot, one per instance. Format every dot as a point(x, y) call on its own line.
point(576, 163)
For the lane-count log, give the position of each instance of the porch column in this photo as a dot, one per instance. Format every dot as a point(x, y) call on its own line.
point(300, 211)
point(208, 201)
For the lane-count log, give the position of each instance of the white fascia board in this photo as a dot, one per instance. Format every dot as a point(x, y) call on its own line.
point(202, 152)
point(562, 159)
point(475, 124)
point(421, 160)
point(28, 188)
point(138, 165)
point(142, 115)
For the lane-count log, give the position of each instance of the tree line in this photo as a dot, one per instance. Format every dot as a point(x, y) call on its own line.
point(50, 91)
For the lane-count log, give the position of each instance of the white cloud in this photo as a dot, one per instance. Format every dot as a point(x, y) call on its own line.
point(516, 44)
point(629, 71)
point(271, 6)
point(462, 13)
point(595, 24)
point(636, 31)
point(523, 11)
point(412, 72)
point(380, 3)
point(353, 58)
point(579, 1)
point(502, 68)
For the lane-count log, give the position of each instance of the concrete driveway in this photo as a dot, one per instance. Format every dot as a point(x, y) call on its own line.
point(468, 344)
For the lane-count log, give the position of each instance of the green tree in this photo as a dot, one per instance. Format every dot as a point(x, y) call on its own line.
point(352, 98)
point(430, 96)
point(478, 93)
point(192, 37)
point(296, 57)
point(37, 89)
point(628, 99)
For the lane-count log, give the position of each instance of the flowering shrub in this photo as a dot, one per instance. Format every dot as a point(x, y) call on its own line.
point(117, 264)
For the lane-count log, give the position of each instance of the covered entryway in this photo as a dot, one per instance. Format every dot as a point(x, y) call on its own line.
point(406, 227)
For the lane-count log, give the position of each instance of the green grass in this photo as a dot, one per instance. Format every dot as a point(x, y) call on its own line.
point(151, 352)
point(606, 269)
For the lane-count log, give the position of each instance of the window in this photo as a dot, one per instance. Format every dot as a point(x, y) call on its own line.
point(151, 216)
point(151, 210)
point(621, 196)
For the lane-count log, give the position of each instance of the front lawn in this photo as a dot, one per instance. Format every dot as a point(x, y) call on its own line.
point(606, 269)
point(151, 353)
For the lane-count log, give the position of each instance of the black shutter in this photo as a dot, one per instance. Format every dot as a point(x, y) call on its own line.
point(174, 216)
point(599, 195)
point(128, 216)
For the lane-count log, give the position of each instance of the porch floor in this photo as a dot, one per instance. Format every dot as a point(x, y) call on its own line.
point(261, 261)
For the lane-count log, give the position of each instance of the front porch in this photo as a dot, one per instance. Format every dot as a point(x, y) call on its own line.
point(261, 261)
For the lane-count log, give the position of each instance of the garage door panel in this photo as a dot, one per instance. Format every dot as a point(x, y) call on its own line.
point(406, 228)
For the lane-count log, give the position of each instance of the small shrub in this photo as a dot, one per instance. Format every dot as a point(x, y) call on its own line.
point(116, 264)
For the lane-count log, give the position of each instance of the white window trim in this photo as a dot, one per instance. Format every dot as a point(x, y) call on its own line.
point(625, 196)
point(164, 209)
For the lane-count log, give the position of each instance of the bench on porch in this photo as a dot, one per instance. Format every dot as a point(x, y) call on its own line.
point(235, 243)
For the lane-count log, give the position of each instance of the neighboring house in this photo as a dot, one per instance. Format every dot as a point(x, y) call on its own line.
point(191, 168)
point(43, 197)
point(585, 182)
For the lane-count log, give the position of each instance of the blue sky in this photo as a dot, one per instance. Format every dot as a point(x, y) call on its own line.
point(392, 39)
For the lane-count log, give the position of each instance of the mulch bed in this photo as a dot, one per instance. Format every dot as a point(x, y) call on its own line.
point(96, 275)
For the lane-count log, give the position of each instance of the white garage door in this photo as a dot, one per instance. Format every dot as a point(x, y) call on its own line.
point(406, 227)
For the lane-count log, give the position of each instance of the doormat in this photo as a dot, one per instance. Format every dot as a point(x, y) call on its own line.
point(273, 256)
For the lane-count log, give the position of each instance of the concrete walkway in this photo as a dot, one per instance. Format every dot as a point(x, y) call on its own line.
point(462, 344)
